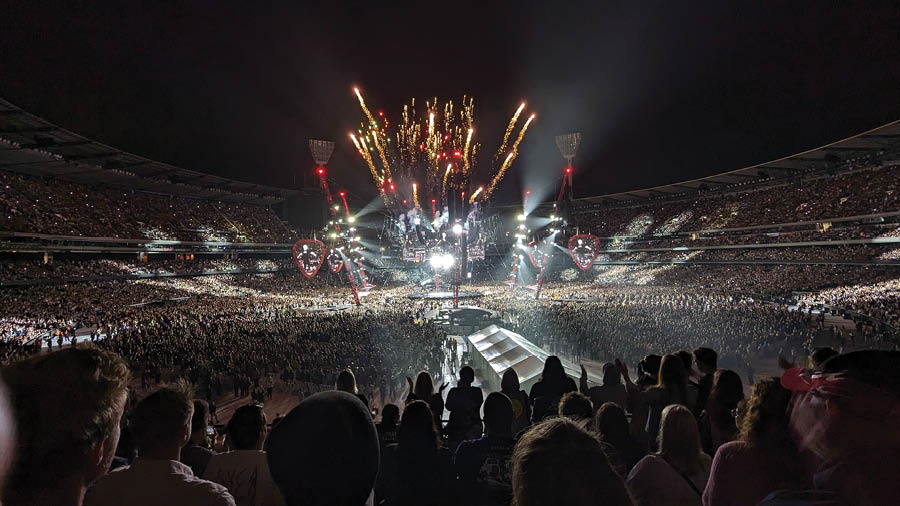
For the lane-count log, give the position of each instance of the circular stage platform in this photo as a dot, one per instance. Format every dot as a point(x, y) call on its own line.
point(444, 295)
point(325, 309)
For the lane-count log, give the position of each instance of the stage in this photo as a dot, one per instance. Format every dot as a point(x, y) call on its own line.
point(443, 295)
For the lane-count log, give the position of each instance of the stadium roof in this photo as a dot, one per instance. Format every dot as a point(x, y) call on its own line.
point(883, 141)
point(32, 145)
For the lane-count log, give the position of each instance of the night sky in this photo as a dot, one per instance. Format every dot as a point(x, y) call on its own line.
point(661, 91)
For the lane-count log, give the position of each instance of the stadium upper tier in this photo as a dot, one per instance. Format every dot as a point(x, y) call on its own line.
point(63, 208)
point(870, 190)
point(58, 182)
point(31, 145)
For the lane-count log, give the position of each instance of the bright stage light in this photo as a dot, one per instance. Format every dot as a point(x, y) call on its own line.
point(521, 217)
point(351, 219)
point(457, 229)
point(444, 261)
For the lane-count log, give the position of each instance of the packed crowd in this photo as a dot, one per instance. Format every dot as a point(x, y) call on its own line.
point(678, 430)
point(844, 232)
point(879, 300)
point(872, 191)
point(17, 268)
point(223, 341)
point(33, 205)
point(842, 253)
point(629, 323)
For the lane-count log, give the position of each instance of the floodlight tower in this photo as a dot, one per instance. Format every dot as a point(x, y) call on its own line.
point(568, 147)
point(321, 151)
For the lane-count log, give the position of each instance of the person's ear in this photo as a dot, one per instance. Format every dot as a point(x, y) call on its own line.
point(97, 460)
point(186, 433)
point(96, 454)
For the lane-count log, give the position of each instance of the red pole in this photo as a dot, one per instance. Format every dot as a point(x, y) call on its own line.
point(437, 282)
point(537, 294)
point(561, 188)
point(352, 283)
point(321, 172)
point(346, 207)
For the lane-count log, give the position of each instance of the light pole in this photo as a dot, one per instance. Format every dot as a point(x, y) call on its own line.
point(321, 152)
point(568, 147)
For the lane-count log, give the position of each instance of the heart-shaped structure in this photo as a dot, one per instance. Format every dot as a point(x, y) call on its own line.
point(335, 260)
point(584, 249)
point(540, 253)
point(309, 254)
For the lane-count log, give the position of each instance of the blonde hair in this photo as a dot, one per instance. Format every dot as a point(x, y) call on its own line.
point(679, 439)
point(65, 403)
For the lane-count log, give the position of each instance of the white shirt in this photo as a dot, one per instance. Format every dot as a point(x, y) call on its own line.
point(246, 475)
point(154, 482)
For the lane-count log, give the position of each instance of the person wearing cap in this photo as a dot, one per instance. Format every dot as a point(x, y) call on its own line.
point(847, 413)
point(325, 452)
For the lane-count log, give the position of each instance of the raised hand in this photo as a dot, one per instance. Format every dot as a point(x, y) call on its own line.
point(623, 369)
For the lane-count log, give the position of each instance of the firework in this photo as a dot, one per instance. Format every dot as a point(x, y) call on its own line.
point(509, 130)
point(476, 194)
point(422, 149)
point(514, 151)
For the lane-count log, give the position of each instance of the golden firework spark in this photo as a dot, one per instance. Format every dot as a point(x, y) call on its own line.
point(475, 195)
point(465, 154)
point(509, 129)
point(418, 152)
point(364, 152)
point(510, 157)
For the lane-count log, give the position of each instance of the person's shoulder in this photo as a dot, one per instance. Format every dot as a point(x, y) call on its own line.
point(217, 493)
point(107, 485)
point(647, 463)
point(733, 448)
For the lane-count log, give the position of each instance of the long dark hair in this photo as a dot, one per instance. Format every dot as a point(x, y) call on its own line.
point(553, 370)
point(727, 391)
point(424, 387)
point(417, 433)
point(673, 379)
point(510, 382)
